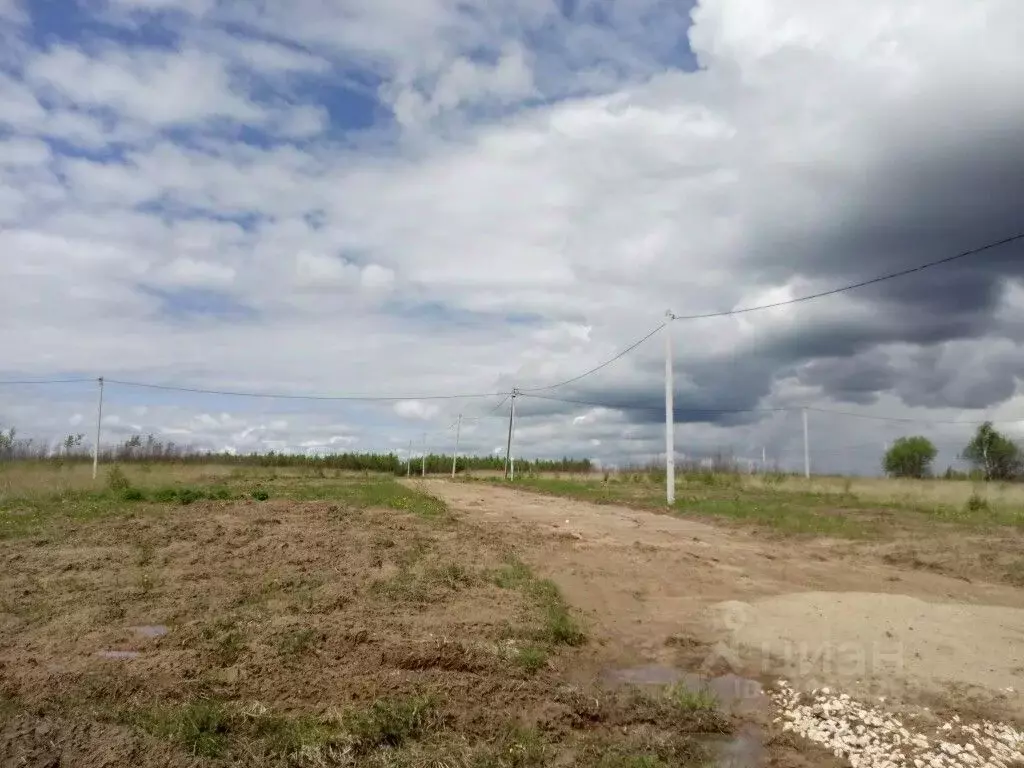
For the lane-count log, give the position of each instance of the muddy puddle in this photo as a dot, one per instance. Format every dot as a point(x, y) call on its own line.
point(733, 694)
point(151, 630)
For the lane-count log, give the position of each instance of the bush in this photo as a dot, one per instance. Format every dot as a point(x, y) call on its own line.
point(260, 494)
point(132, 494)
point(117, 480)
point(977, 503)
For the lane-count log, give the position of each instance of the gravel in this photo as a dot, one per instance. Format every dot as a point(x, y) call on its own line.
point(872, 738)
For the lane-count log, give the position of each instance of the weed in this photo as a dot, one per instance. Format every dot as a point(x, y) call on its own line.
point(559, 627)
point(165, 495)
point(515, 574)
point(453, 576)
point(687, 700)
point(201, 726)
point(188, 496)
point(301, 739)
point(516, 747)
point(132, 495)
point(531, 658)
point(977, 503)
point(260, 494)
point(391, 723)
point(226, 642)
point(117, 480)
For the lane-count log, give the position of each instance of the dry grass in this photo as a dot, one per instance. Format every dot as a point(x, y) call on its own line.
point(929, 493)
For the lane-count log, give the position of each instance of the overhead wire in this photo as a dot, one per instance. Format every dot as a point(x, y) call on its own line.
point(787, 302)
point(281, 396)
point(28, 382)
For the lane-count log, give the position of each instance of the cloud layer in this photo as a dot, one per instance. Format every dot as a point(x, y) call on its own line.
point(385, 199)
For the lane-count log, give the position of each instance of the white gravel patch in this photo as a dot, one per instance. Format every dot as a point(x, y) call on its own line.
point(872, 738)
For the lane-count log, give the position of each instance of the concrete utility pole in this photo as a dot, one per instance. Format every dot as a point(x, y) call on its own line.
point(455, 457)
point(508, 447)
point(670, 425)
point(807, 449)
point(408, 461)
point(99, 430)
point(423, 461)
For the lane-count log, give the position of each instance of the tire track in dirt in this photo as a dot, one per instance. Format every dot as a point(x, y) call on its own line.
point(669, 590)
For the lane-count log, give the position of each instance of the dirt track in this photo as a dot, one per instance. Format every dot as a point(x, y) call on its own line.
point(663, 589)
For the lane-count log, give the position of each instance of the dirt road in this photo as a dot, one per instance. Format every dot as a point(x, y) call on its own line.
point(665, 590)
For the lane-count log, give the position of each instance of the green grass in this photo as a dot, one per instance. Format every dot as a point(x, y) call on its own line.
point(30, 512)
point(557, 625)
point(391, 723)
point(787, 506)
point(200, 727)
point(687, 700)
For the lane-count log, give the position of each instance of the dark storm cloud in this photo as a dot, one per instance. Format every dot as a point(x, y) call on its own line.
point(856, 379)
point(923, 199)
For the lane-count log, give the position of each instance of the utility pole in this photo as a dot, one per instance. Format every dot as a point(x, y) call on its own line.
point(423, 461)
point(408, 461)
point(455, 457)
point(764, 460)
point(670, 425)
point(508, 447)
point(99, 429)
point(807, 449)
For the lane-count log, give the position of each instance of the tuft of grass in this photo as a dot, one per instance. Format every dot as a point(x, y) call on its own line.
point(688, 700)
point(515, 574)
point(559, 627)
point(260, 494)
point(391, 723)
point(201, 727)
point(225, 641)
point(297, 642)
point(516, 747)
point(531, 658)
point(117, 480)
point(976, 503)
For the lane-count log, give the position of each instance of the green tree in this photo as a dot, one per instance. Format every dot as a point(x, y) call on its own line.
point(910, 457)
point(994, 454)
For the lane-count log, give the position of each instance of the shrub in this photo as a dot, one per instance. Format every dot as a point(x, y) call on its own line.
point(117, 480)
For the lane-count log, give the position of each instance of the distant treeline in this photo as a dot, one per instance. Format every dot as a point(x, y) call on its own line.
point(149, 450)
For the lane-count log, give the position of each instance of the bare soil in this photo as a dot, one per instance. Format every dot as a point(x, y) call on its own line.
point(670, 590)
point(303, 633)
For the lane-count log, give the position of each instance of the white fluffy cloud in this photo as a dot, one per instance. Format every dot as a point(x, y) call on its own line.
point(416, 199)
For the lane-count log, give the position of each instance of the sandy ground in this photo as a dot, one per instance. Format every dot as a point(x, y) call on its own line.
point(668, 590)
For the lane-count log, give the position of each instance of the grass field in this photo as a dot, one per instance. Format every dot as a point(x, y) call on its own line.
point(200, 616)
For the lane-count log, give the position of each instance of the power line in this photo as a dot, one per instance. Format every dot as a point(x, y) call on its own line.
point(904, 420)
point(277, 396)
point(658, 408)
point(787, 409)
point(597, 368)
point(27, 382)
point(800, 299)
point(862, 284)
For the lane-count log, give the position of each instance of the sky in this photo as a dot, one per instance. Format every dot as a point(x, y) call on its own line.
point(439, 198)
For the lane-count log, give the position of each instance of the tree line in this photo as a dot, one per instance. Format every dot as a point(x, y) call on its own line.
point(992, 455)
point(148, 449)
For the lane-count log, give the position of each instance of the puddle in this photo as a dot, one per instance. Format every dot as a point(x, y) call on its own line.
point(151, 630)
point(734, 693)
point(119, 655)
